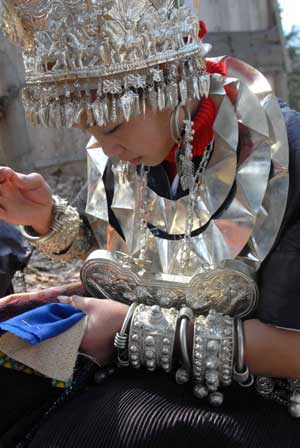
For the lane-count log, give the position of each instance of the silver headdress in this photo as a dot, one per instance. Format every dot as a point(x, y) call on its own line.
point(107, 58)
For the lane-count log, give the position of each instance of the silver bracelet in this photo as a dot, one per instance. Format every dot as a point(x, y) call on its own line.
point(121, 338)
point(213, 353)
point(152, 337)
point(227, 350)
point(241, 372)
point(183, 373)
point(64, 230)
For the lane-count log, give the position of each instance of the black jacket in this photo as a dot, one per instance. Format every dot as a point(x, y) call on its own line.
point(279, 276)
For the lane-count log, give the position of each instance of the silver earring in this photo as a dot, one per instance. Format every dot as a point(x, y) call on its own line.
point(184, 154)
point(174, 125)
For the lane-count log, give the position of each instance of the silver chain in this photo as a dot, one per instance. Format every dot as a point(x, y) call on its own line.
point(143, 227)
point(192, 198)
point(204, 162)
point(191, 207)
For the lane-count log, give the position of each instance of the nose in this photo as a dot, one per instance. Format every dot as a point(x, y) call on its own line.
point(114, 151)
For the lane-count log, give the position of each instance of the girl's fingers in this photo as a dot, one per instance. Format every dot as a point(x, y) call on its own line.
point(5, 173)
point(3, 211)
point(27, 182)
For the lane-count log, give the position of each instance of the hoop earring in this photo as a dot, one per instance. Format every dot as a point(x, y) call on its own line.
point(174, 125)
point(184, 155)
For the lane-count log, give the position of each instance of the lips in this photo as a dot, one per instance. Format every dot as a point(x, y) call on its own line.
point(136, 161)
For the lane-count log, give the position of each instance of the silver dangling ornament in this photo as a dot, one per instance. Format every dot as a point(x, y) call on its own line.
point(184, 154)
point(294, 406)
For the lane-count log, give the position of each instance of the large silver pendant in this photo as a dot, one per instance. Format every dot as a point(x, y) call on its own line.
point(228, 289)
point(238, 213)
point(242, 196)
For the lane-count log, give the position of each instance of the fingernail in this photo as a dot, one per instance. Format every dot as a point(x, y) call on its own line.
point(64, 299)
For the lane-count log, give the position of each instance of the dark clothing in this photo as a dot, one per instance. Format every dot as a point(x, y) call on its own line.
point(145, 410)
point(136, 409)
point(24, 399)
point(13, 256)
point(279, 276)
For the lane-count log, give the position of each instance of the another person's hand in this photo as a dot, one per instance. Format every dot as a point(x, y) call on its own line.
point(105, 318)
point(25, 199)
point(45, 295)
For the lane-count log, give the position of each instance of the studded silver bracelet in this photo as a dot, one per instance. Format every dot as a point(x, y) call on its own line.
point(213, 353)
point(152, 337)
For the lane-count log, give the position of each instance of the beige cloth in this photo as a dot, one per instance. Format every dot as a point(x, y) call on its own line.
point(54, 358)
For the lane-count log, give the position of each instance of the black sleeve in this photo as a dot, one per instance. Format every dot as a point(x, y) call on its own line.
point(14, 255)
point(279, 276)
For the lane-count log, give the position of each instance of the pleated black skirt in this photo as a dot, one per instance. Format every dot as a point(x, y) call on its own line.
point(142, 410)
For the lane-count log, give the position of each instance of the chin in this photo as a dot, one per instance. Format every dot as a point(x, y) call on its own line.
point(152, 162)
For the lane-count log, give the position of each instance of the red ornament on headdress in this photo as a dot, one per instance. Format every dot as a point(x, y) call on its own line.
point(205, 118)
point(202, 29)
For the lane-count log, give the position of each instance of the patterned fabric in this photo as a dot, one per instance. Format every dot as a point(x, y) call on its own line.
point(9, 363)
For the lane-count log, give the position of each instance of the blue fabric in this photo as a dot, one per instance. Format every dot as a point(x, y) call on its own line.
point(43, 323)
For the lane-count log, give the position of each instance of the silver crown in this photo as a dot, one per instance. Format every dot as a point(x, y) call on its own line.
point(128, 51)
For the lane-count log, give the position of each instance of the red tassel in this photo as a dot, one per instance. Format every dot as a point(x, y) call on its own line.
point(205, 118)
point(203, 127)
point(202, 29)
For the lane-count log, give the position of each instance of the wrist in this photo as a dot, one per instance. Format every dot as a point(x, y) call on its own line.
point(43, 227)
point(119, 316)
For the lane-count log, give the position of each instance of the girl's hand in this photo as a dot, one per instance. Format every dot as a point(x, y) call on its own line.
point(25, 199)
point(105, 318)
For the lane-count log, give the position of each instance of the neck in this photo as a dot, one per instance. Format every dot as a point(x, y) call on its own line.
point(203, 115)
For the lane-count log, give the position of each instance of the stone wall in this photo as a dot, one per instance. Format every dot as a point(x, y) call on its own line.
point(26, 149)
point(15, 145)
point(250, 30)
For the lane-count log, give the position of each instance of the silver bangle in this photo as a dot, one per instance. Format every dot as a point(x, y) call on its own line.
point(240, 362)
point(183, 373)
point(64, 230)
point(227, 350)
point(213, 354)
point(121, 338)
point(152, 337)
point(241, 372)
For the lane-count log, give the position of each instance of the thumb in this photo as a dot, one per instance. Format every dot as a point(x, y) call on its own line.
point(28, 182)
point(19, 179)
point(81, 303)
